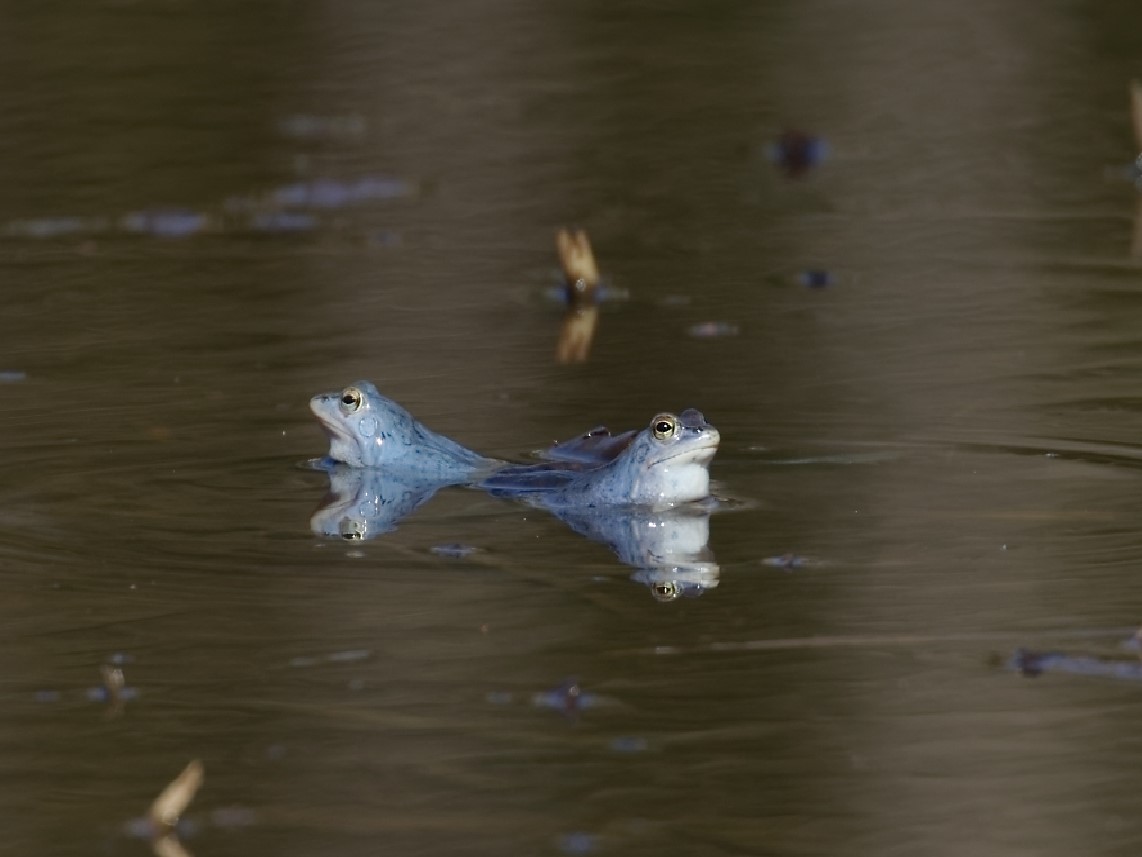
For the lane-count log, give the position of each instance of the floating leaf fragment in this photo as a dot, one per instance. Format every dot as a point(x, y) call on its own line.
point(176, 797)
point(580, 273)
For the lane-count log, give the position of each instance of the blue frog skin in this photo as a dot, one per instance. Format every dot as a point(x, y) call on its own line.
point(367, 429)
point(664, 464)
point(667, 550)
point(635, 492)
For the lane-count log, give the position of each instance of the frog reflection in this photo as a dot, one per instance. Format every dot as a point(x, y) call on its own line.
point(363, 503)
point(633, 491)
point(668, 548)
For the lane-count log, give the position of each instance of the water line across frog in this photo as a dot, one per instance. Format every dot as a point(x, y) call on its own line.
point(664, 464)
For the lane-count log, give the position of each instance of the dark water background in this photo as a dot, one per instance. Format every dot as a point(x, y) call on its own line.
point(948, 435)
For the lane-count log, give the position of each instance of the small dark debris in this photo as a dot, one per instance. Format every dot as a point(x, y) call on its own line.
point(629, 744)
point(455, 550)
point(577, 843)
point(797, 152)
point(166, 223)
point(713, 329)
point(1031, 664)
point(305, 127)
point(283, 221)
point(815, 278)
point(786, 562)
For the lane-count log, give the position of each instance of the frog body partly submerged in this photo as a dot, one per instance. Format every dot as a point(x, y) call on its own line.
point(662, 465)
point(367, 429)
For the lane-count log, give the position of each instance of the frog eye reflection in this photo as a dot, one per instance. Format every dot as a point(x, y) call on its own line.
point(664, 426)
point(350, 399)
point(350, 530)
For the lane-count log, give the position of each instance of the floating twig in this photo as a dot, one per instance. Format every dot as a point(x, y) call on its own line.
point(580, 282)
point(580, 272)
point(113, 683)
point(176, 797)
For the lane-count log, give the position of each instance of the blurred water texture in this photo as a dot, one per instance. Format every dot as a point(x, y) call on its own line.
point(929, 409)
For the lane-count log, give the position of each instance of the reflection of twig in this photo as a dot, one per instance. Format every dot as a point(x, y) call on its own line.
point(1136, 111)
point(580, 272)
point(575, 335)
point(169, 846)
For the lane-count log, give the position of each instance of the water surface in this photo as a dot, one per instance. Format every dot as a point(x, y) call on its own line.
point(946, 434)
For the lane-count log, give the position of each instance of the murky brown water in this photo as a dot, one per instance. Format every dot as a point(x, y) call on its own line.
point(948, 435)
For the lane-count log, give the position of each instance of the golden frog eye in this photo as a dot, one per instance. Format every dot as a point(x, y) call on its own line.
point(664, 426)
point(666, 590)
point(350, 399)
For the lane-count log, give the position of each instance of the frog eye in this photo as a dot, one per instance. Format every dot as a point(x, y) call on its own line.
point(350, 399)
point(666, 590)
point(664, 426)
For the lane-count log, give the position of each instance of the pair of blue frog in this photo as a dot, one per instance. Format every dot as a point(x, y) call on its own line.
point(634, 491)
